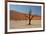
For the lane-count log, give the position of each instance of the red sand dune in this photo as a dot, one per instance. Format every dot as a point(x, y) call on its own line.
point(21, 16)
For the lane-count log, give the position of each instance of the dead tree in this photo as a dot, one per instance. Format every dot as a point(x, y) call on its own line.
point(30, 17)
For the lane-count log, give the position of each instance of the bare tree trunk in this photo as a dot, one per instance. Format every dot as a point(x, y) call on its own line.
point(29, 19)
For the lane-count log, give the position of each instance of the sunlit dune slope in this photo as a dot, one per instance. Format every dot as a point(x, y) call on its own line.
point(22, 16)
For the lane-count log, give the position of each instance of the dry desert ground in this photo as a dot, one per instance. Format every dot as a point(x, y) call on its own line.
point(20, 24)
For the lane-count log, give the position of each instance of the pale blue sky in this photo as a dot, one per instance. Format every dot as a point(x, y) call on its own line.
point(36, 10)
